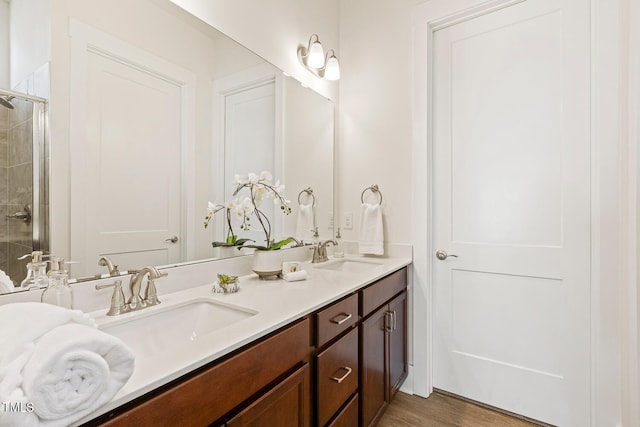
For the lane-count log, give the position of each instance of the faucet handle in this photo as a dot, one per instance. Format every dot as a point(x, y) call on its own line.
point(118, 305)
point(150, 294)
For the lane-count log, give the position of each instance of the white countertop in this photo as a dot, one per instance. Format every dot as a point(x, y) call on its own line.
point(275, 303)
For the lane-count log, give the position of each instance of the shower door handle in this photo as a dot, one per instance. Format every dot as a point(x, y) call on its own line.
point(24, 215)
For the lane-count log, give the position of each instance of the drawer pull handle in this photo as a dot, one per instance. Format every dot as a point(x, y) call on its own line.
point(346, 316)
point(342, 378)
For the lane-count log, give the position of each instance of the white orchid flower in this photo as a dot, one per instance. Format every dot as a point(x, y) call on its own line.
point(266, 176)
point(247, 206)
point(240, 179)
point(258, 195)
point(279, 187)
point(213, 207)
point(253, 178)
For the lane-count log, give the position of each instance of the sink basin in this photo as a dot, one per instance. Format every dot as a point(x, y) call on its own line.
point(349, 265)
point(149, 333)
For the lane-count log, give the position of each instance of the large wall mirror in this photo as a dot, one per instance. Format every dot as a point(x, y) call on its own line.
point(152, 114)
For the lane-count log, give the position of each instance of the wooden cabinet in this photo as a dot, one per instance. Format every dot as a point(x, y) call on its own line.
point(210, 395)
point(372, 367)
point(336, 360)
point(337, 377)
point(339, 367)
point(285, 405)
point(397, 344)
point(348, 416)
point(383, 344)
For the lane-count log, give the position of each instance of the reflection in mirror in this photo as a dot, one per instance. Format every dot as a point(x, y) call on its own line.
point(159, 122)
point(23, 185)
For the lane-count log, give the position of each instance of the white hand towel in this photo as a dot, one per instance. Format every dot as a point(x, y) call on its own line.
point(371, 236)
point(49, 341)
point(305, 224)
point(295, 276)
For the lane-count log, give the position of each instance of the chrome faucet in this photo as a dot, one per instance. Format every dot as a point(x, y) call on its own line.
point(136, 302)
point(320, 251)
point(106, 262)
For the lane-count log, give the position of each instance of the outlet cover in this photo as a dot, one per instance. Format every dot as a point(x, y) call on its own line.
point(348, 220)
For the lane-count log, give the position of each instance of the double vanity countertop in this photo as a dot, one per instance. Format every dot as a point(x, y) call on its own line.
point(194, 326)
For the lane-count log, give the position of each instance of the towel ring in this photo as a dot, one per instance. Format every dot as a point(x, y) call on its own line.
point(309, 192)
point(374, 189)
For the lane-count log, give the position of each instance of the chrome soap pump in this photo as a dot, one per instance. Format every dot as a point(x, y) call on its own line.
point(36, 271)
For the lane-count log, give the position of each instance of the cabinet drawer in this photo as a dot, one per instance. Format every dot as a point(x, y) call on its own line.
point(210, 394)
point(335, 319)
point(337, 375)
point(348, 417)
point(382, 291)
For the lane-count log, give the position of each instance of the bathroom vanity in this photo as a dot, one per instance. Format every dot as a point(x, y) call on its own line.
point(327, 351)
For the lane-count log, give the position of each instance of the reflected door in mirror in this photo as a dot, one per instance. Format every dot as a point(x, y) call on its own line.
point(129, 203)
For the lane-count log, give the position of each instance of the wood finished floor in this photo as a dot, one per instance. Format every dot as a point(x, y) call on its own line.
point(440, 410)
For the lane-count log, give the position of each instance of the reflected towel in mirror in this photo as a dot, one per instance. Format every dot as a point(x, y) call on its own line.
point(6, 285)
point(305, 225)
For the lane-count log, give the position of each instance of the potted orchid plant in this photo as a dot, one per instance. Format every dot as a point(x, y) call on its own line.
point(232, 239)
point(258, 188)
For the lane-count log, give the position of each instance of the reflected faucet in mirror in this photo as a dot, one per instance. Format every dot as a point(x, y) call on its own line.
point(105, 261)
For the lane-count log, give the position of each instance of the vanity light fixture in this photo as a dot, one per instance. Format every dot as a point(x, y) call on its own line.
point(313, 55)
point(331, 70)
point(314, 59)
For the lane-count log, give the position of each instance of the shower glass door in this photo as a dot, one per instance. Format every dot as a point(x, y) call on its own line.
point(24, 157)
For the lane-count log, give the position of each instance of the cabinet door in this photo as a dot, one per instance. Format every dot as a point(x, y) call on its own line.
point(286, 405)
point(397, 343)
point(372, 365)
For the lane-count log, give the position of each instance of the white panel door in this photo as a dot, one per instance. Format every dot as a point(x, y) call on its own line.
point(511, 201)
point(250, 146)
point(133, 144)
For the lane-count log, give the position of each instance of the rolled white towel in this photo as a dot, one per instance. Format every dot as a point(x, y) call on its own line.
point(31, 321)
point(73, 370)
point(53, 349)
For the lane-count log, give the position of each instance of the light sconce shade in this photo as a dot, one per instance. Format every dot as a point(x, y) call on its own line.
point(331, 67)
point(314, 59)
point(313, 55)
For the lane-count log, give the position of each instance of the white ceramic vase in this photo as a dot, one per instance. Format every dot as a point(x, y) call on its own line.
point(226, 251)
point(267, 264)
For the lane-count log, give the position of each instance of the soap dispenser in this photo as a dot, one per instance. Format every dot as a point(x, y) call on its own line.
point(338, 251)
point(58, 291)
point(36, 271)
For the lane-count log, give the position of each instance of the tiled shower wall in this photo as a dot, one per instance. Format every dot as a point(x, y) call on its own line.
point(16, 186)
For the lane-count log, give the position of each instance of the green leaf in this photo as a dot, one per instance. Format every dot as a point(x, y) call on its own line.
point(281, 243)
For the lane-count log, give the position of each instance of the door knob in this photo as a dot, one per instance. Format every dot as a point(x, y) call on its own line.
point(442, 255)
point(172, 239)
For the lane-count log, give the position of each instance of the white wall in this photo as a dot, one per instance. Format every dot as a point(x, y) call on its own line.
point(375, 111)
point(274, 29)
point(30, 33)
point(5, 80)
